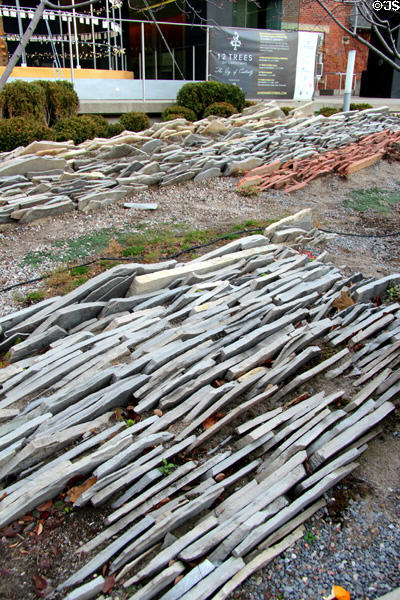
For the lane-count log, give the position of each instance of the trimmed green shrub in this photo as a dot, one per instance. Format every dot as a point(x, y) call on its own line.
point(249, 103)
point(178, 112)
point(327, 111)
point(22, 99)
point(101, 124)
point(134, 121)
point(220, 109)
point(61, 100)
point(77, 129)
point(198, 96)
point(360, 106)
point(21, 131)
point(114, 129)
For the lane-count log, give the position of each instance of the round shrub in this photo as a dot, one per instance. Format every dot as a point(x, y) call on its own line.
point(220, 109)
point(114, 129)
point(77, 129)
point(178, 112)
point(327, 111)
point(198, 96)
point(101, 125)
point(23, 99)
point(21, 131)
point(61, 100)
point(249, 103)
point(360, 106)
point(134, 121)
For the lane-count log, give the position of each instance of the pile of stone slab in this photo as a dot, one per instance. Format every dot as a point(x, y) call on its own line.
point(296, 174)
point(50, 178)
point(229, 362)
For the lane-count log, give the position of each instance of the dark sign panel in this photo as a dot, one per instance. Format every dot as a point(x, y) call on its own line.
point(261, 62)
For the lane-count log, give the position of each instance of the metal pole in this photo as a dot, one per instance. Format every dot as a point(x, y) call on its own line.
point(121, 41)
point(349, 79)
point(71, 59)
point(155, 64)
point(207, 54)
point(21, 32)
point(93, 40)
point(23, 43)
point(78, 66)
point(173, 63)
point(194, 62)
point(140, 65)
point(108, 35)
point(62, 36)
point(143, 65)
point(114, 36)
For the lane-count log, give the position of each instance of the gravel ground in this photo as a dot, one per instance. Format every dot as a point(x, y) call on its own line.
point(216, 204)
point(308, 569)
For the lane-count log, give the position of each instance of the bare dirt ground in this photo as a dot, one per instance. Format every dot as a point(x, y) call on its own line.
point(39, 551)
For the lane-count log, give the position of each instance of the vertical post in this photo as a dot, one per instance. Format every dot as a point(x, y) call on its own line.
point(121, 44)
point(93, 40)
point(114, 36)
point(156, 64)
point(62, 37)
point(21, 32)
point(71, 59)
point(78, 66)
point(349, 79)
point(140, 65)
point(193, 63)
point(173, 63)
point(207, 53)
point(143, 64)
point(108, 35)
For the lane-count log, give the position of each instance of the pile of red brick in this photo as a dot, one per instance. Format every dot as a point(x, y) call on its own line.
point(296, 174)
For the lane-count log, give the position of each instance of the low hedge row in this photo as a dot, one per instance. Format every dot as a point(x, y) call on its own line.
point(21, 131)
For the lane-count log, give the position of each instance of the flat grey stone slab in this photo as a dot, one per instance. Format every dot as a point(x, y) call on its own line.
point(141, 206)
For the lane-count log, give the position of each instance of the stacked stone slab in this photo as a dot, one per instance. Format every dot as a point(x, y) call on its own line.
point(49, 178)
point(295, 174)
point(217, 356)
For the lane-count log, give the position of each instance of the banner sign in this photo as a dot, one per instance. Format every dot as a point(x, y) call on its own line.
point(266, 64)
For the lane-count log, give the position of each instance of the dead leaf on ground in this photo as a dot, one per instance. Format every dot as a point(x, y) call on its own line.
point(44, 507)
point(108, 585)
point(78, 490)
point(12, 530)
point(342, 301)
point(210, 421)
point(40, 583)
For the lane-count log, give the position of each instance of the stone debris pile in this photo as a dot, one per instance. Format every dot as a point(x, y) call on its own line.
point(231, 363)
point(296, 174)
point(50, 178)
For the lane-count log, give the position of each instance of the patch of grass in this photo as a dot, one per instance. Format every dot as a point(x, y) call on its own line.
point(33, 298)
point(145, 242)
point(392, 294)
point(374, 199)
point(251, 191)
point(309, 537)
point(137, 250)
point(80, 270)
point(167, 467)
point(72, 249)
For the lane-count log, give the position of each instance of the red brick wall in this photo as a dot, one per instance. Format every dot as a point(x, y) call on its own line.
point(337, 42)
